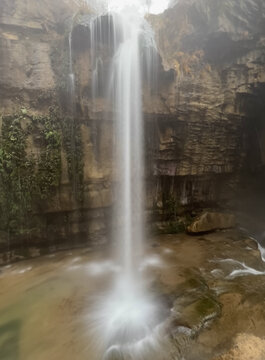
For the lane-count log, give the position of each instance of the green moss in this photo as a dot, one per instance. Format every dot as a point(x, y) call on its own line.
point(72, 144)
point(17, 175)
point(49, 165)
point(197, 283)
point(25, 180)
point(206, 306)
point(171, 208)
point(177, 227)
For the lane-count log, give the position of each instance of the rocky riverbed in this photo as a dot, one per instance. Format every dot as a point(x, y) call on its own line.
point(210, 289)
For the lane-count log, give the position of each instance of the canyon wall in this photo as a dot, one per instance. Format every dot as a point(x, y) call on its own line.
point(217, 52)
point(204, 128)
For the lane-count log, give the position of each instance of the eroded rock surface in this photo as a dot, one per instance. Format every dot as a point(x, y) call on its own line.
point(246, 346)
point(217, 52)
point(28, 32)
point(204, 128)
point(211, 221)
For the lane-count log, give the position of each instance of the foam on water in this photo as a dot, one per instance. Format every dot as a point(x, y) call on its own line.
point(100, 268)
point(150, 261)
point(128, 321)
point(245, 269)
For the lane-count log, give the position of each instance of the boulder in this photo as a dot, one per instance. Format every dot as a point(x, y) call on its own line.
point(211, 221)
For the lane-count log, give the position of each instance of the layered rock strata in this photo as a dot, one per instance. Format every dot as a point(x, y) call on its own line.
point(204, 129)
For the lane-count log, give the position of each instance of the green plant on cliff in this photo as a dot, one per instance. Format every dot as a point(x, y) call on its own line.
point(171, 210)
point(25, 180)
point(72, 144)
point(17, 176)
point(49, 164)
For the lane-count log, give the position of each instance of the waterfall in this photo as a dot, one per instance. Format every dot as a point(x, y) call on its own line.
point(121, 49)
point(127, 89)
point(121, 54)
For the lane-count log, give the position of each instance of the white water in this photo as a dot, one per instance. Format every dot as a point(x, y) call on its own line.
point(262, 252)
point(127, 96)
point(245, 269)
point(143, 6)
point(120, 49)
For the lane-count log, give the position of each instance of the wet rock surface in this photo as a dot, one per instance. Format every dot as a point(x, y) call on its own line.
point(212, 221)
point(245, 347)
point(213, 316)
point(28, 32)
point(204, 128)
point(207, 141)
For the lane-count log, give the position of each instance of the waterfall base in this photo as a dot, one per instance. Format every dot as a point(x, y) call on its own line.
point(128, 320)
point(81, 305)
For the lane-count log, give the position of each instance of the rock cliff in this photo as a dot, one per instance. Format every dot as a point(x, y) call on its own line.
point(204, 128)
point(217, 52)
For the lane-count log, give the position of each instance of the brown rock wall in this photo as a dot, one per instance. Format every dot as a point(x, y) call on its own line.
point(203, 123)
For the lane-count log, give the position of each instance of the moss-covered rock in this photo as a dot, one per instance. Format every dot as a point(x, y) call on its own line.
point(31, 168)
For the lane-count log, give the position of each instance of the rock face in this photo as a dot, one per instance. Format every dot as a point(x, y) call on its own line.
point(214, 105)
point(28, 32)
point(65, 193)
point(212, 221)
point(204, 125)
point(246, 347)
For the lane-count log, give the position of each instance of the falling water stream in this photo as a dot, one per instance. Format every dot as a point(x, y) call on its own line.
point(126, 80)
point(128, 312)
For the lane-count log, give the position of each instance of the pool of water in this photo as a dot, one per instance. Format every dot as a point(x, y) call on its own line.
point(201, 293)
